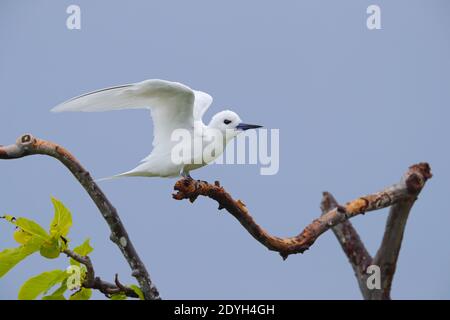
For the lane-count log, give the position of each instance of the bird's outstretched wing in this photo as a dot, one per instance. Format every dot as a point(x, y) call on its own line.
point(171, 104)
point(201, 104)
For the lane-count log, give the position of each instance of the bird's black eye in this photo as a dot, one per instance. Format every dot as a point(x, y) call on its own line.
point(226, 121)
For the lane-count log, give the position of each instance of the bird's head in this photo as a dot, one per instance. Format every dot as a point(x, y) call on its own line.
point(229, 122)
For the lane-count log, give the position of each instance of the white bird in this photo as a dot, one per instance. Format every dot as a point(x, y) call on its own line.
point(173, 106)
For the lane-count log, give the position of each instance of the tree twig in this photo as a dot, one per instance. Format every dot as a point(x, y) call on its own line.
point(406, 190)
point(93, 282)
point(27, 145)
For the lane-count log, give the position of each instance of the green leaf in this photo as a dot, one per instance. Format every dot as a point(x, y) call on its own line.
point(58, 294)
point(21, 236)
point(39, 284)
point(9, 218)
point(50, 249)
point(138, 291)
point(83, 250)
point(28, 226)
point(9, 258)
point(118, 296)
point(82, 294)
point(62, 220)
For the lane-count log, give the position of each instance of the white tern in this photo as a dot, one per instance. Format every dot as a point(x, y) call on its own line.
point(173, 106)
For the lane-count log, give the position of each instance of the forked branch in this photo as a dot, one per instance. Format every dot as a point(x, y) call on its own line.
point(400, 197)
point(406, 190)
point(96, 283)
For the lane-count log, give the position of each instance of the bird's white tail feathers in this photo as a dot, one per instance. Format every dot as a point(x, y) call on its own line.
point(120, 175)
point(106, 179)
point(131, 173)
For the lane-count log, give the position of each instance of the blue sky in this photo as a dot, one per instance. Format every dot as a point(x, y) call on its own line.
point(354, 108)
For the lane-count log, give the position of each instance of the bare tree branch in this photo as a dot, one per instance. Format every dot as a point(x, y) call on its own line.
point(406, 190)
point(27, 145)
point(400, 197)
point(387, 255)
point(351, 244)
point(93, 282)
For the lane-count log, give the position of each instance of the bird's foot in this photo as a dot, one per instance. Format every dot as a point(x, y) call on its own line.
point(188, 188)
point(186, 176)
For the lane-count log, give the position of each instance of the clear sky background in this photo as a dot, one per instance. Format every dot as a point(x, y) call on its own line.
point(354, 107)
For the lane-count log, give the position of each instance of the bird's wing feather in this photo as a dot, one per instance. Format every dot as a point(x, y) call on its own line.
point(171, 104)
point(201, 104)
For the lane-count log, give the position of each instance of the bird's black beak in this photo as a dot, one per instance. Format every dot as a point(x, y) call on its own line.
point(246, 126)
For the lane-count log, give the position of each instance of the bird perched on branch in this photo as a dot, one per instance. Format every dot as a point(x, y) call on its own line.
point(175, 108)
